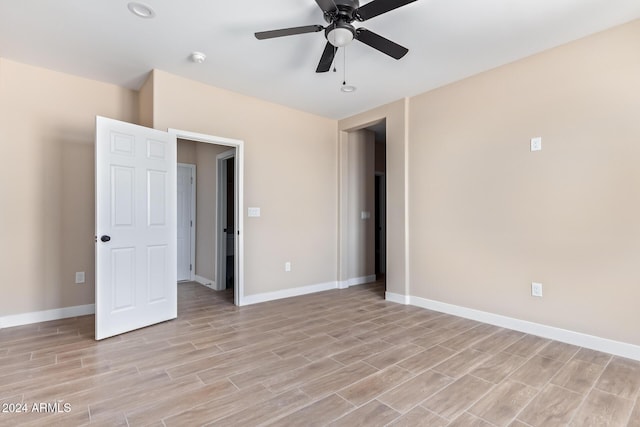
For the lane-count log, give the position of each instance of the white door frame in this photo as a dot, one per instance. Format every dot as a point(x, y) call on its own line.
point(238, 291)
point(221, 215)
point(192, 258)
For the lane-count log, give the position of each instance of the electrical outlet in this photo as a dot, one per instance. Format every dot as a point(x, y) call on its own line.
point(287, 266)
point(80, 277)
point(536, 289)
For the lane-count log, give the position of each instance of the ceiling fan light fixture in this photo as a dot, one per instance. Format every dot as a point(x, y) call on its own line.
point(141, 10)
point(340, 34)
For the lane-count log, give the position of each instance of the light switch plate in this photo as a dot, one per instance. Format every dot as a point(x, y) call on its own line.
point(253, 212)
point(80, 277)
point(536, 144)
point(536, 289)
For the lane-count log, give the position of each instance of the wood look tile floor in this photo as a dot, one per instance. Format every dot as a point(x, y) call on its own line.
point(340, 358)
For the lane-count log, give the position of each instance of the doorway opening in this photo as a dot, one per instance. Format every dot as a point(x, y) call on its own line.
point(226, 220)
point(363, 206)
point(380, 198)
point(217, 203)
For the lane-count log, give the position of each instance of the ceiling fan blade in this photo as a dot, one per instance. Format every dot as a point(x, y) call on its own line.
point(378, 7)
point(378, 42)
point(327, 58)
point(327, 5)
point(288, 31)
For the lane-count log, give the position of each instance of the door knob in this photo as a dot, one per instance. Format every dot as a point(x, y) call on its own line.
point(105, 238)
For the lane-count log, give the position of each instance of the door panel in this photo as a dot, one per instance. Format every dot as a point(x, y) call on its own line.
point(157, 257)
point(122, 196)
point(123, 279)
point(136, 214)
point(156, 202)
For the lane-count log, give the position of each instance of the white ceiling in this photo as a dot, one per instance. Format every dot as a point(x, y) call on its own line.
point(447, 40)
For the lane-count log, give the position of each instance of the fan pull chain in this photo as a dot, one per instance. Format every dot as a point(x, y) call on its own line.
point(344, 66)
point(345, 88)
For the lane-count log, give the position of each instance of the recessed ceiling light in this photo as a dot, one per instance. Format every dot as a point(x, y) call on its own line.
point(348, 88)
point(198, 57)
point(141, 10)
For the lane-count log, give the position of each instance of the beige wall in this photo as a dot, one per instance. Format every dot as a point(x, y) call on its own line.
point(361, 183)
point(47, 184)
point(145, 102)
point(48, 217)
point(290, 173)
point(187, 152)
point(484, 215)
point(488, 216)
point(396, 176)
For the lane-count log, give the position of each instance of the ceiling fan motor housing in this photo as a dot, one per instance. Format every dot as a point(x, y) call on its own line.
point(340, 32)
point(345, 11)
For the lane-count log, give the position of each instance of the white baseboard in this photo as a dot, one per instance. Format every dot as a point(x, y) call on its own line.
point(304, 290)
point(211, 284)
point(46, 315)
point(287, 293)
point(580, 339)
point(397, 298)
point(356, 281)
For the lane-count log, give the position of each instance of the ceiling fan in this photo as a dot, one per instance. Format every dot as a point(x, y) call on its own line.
point(339, 14)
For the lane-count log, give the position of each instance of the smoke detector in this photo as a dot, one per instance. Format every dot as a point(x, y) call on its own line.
point(141, 10)
point(198, 57)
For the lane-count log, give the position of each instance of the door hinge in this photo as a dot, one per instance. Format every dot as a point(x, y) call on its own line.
point(190, 267)
point(191, 223)
point(192, 180)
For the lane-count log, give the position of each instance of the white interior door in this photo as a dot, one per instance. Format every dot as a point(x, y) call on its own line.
point(186, 221)
point(135, 227)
